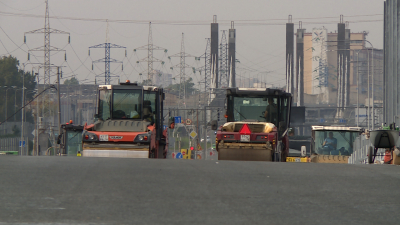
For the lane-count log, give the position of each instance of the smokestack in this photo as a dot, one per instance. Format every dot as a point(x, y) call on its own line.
point(300, 65)
point(232, 56)
point(347, 63)
point(289, 56)
point(214, 50)
point(341, 66)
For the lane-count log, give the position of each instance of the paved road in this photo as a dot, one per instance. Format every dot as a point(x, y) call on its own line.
point(71, 190)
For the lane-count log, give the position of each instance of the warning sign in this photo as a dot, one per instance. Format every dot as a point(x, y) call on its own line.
point(199, 147)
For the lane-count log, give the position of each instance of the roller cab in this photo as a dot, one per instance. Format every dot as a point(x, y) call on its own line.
point(129, 123)
point(330, 144)
point(257, 125)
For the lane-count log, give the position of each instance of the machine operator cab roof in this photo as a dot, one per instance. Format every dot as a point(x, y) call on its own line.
point(128, 101)
point(257, 91)
point(356, 129)
point(128, 85)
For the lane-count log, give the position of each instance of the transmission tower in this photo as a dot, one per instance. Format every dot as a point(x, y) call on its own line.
point(182, 73)
point(107, 57)
point(47, 49)
point(207, 71)
point(223, 63)
point(150, 59)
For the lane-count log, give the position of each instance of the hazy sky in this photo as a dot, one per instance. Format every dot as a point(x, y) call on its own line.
point(260, 28)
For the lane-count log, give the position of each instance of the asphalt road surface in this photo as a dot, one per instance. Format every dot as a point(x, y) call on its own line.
point(72, 190)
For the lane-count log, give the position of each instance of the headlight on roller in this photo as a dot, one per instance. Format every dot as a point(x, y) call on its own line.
point(142, 138)
point(87, 136)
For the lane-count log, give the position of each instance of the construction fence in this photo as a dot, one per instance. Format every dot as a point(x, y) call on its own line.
point(192, 137)
point(14, 144)
point(362, 149)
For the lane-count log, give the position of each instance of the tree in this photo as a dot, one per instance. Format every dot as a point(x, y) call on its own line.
point(16, 131)
point(146, 82)
point(72, 81)
point(174, 88)
point(11, 77)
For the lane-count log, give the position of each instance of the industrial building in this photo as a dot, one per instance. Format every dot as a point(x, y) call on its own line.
point(321, 65)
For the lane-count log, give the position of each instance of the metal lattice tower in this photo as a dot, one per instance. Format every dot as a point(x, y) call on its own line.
point(47, 45)
point(107, 57)
point(207, 68)
point(150, 55)
point(150, 47)
point(223, 63)
point(46, 49)
point(182, 73)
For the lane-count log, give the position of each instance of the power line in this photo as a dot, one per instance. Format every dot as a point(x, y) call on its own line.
point(75, 31)
point(4, 47)
point(9, 53)
point(52, 86)
point(18, 9)
point(12, 40)
point(198, 22)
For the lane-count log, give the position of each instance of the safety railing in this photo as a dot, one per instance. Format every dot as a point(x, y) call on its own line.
point(361, 149)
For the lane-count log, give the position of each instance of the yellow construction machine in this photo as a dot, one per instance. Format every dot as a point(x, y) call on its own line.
point(257, 125)
point(329, 144)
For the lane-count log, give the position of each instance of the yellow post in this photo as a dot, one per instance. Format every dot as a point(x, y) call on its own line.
point(184, 154)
